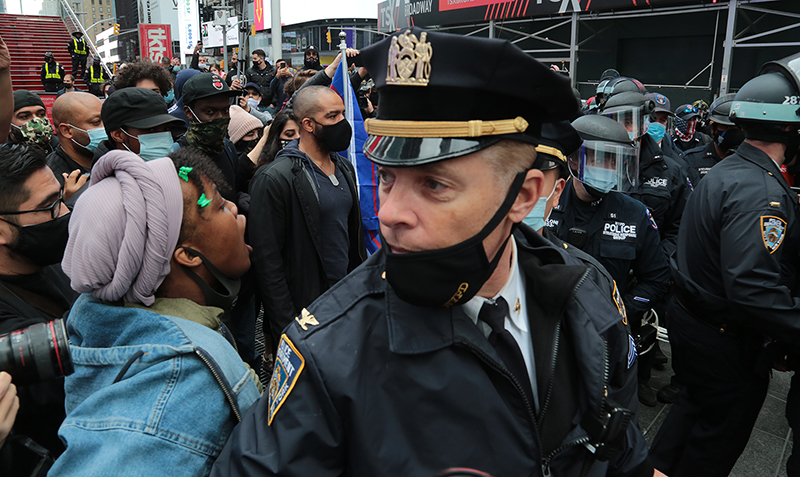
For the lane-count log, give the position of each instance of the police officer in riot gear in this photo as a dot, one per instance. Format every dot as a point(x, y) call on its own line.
point(726, 136)
point(735, 277)
point(662, 185)
point(614, 228)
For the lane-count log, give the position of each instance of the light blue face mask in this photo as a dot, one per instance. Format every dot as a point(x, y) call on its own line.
point(600, 178)
point(96, 136)
point(153, 145)
point(657, 131)
point(176, 68)
point(536, 218)
point(252, 103)
point(169, 96)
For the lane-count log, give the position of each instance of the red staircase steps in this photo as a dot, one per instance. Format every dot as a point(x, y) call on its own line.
point(28, 38)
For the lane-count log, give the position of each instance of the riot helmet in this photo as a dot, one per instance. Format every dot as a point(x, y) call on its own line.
point(768, 103)
point(720, 109)
point(727, 136)
point(621, 85)
point(607, 159)
point(631, 110)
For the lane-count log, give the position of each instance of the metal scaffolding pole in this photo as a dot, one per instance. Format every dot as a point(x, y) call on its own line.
point(728, 53)
point(573, 50)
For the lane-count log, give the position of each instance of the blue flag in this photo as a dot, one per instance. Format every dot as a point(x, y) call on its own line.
point(366, 170)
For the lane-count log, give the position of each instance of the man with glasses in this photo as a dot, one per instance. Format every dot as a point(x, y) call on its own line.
point(33, 288)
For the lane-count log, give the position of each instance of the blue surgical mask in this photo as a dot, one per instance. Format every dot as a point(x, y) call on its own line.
point(96, 136)
point(153, 145)
point(657, 131)
point(176, 68)
point(252, 103)
point(169, 96)
point(600, 178)
point(536, 218)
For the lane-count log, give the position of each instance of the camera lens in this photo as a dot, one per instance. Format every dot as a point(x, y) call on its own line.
point(38, 353)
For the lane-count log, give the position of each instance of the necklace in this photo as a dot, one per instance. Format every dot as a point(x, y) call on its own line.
point(331, 175)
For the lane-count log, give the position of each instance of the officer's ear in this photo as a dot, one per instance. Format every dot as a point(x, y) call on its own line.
point(532, 189)
point(65, 131)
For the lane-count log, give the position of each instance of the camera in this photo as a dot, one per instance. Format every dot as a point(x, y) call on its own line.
point(37, 353)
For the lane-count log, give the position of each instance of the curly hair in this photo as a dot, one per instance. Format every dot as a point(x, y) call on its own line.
point(137, 71)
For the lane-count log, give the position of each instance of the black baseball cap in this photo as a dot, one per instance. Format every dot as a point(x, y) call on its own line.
point(205, 85)
point(433, 104)
point(138, 108)
point(662, 103)
point(23, 98)
point(254, 86)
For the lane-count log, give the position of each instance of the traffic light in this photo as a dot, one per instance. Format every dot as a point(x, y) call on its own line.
point(116, 28)
point(328, 35)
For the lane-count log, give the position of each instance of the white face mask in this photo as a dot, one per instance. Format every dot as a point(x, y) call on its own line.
point(536, 218)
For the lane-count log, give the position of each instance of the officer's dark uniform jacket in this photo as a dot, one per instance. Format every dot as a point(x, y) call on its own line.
point(390, 389)
point(284, 230)
point(699, 139)
point(59, 162)
point(663, 187)
point(622, 238)
point(738, 247)
point(700, 160)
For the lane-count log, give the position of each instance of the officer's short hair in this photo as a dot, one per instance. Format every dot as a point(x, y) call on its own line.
point(508, 158)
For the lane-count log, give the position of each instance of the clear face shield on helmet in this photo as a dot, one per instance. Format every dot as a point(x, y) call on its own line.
point(633, 119)
point(606, 166)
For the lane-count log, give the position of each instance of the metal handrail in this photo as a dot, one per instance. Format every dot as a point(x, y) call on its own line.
point(73, 24)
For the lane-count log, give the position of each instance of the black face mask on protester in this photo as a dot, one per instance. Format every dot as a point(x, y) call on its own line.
point(244, 147)
point(452, 275)
point(311, 62)
point(44, 243)
point(728, 141)
point(334, 137)
point(231, 285)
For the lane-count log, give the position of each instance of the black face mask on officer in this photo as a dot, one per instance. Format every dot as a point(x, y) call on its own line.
point(452, 275)
point(728, 141)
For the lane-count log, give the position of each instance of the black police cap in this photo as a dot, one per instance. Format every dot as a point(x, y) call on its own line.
point(436, 105)
point(558, 141)
point(139, 108)
point(205, 85)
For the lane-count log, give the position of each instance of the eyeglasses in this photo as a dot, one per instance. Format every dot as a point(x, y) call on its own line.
point(54, 208)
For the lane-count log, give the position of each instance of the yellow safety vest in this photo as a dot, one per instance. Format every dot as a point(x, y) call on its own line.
point(82, 51)
point(92, 77)
point(48, 74)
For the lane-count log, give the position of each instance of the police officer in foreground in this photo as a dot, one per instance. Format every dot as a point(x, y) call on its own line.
point(727, 136)
point(735, 275)
point(662, 185)
point(454, 345)
point(614, 228)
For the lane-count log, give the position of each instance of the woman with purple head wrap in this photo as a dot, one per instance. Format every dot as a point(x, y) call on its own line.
point(156, 252)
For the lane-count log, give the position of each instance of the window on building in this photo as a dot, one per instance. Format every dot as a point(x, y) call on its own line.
point(92, 2)
point(101, 9)
point(101, 17)
point(95, 29)
point(93, 9)
point(94, 17)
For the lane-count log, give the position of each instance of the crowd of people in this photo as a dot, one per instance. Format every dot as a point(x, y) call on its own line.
point(532, 247)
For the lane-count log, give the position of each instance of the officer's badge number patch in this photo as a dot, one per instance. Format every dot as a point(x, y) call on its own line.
point(651, 219)
point(289, 363)
point(772, 231)
point(631, 351)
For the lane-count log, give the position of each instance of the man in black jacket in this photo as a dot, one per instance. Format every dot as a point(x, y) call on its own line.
point(306, 222)
point(735, 273)
point(33, 288)
point(454, 345)
point(79, 52)
point(261, 73)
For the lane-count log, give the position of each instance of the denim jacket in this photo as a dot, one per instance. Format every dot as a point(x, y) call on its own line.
point(151, 394)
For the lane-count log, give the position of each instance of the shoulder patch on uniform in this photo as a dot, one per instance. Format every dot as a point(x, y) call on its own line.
point(631, 351)
point(650, 217)
point(689, 183)
point(772, 231)
point(289, 363)
point(620, 305)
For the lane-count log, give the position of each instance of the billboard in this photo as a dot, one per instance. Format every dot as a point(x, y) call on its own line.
point(212, 34)
point(155, 41)
point(396, 14)
point(189, 20)
point(258, 15)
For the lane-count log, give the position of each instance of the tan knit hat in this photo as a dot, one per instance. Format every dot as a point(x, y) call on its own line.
point(241, 123)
